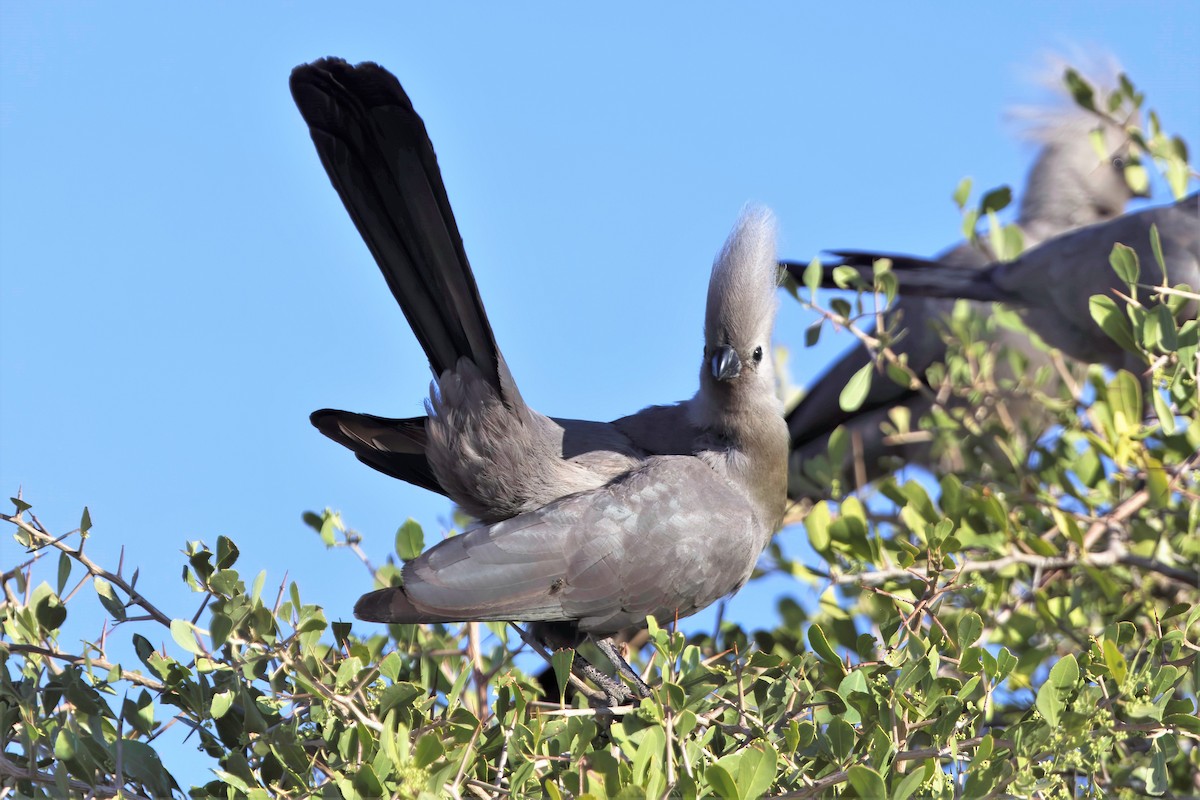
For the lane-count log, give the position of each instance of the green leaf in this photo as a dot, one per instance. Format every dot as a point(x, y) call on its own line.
point(961, 193)
point(1115, 661)
point(970, 628)
point(817, 526)
point(85, 524)
point(995, 200)
point(219, 628)
point(841, 738)
point(1081, 90)
point(1163, 410)
point(1113, 321)
point(367, 783)
point(1158, 482)
point(1065, 674)
point(1014, 241)
point(913, 673)
point(812, 278)
point(328, 529)
point(1137, 178)
point(456, 690)
point(867, 782)
point(969, 221)
point(820, 645)
point(886, 281)
point(1158, 331)
point(561, 661)
point(221, 703)
point(1124, 262)
point(996, 236)
point(184, 635)
point(64, 745)
point(108, 599)
point(410, 540)
point(227, 552)
point(1006, 662)
point(428, 750)
point(756, 769)
point(1125, 400)
point(812, 334)
point(1156, 245)
point(721, 781)
point(50, 611)
point(64, 571)
point(846, 277)
point(1158, 780)
point(1052, 696)
point(911, 782)
point(856, 389)
point(141, 763)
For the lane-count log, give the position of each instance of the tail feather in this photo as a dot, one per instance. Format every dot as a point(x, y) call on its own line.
point(395, 447)
point(377, 153)
point(393, 606)
point(918, 277)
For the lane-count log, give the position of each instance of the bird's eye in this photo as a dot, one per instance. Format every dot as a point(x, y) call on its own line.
point(757, 354)
point(1118, 162)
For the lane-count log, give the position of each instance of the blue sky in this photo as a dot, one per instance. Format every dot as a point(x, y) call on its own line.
point(181, 286)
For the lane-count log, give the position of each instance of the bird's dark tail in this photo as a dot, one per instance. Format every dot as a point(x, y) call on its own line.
point(393, 606)
point(381, 162)
point(917, 277)
point(395, 447)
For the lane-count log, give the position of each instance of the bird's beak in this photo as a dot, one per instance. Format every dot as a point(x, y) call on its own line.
point(725, 363)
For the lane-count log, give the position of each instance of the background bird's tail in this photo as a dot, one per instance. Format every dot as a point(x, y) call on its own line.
point(917, 277)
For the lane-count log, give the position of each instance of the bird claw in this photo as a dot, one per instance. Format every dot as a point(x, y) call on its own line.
point(610, 650)
point(612, 691)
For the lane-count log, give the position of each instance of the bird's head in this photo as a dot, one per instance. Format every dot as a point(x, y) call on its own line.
point(740, 315)
point(1087, 169)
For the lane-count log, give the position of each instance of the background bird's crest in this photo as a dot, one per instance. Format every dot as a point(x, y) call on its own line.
point(1059, 117)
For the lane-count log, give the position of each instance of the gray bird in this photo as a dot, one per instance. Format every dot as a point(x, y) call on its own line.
point(480, 445)
point(589, 526)
point(1051, 285)
point(1068, 186)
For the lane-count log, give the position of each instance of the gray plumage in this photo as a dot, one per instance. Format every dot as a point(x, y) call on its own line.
point(480, 445)
point(1051, 285)
point(1068, 186)
point(488, 451)
point(594, 525)
point(667, 537)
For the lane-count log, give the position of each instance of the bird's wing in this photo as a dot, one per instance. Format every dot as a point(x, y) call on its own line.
point(666, 539)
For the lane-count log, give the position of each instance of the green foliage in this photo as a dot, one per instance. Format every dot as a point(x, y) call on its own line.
point(1027, 625)
point(1028, 628)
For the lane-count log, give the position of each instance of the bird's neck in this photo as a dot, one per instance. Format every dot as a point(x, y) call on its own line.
point(749, 445)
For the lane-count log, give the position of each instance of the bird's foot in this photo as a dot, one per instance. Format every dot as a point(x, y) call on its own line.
point(612, 691)
point(612, 652)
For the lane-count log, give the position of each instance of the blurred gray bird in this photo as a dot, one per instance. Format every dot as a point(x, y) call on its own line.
point(1068, 186)
point(588, 527)
point(1051, 285)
